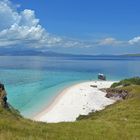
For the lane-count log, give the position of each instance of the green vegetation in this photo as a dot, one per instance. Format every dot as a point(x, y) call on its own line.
point(120, 121)
point(127, 82)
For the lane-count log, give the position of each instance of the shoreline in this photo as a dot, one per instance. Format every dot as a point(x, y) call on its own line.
point(74, 101)
point(54, 101)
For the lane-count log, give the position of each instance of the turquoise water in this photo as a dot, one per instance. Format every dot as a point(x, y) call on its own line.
point(32, 82)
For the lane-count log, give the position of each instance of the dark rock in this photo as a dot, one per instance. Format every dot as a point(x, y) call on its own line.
point(118, 94)
point(94, 86)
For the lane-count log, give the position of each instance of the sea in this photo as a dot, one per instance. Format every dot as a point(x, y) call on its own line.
point(32, 82)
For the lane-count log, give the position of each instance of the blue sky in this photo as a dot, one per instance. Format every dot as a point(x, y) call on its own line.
point(73, 26)
point(85, 18)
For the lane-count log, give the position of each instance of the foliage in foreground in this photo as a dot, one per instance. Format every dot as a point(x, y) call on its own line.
point(120, 121)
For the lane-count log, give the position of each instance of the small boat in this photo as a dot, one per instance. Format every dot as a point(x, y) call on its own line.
point(101, 76)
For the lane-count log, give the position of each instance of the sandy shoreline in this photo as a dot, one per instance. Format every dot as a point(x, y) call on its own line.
point(79, 99)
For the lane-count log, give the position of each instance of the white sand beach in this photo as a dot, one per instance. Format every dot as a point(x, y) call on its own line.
point(79, 99)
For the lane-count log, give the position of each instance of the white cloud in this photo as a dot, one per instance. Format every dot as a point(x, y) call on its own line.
point(8, 15)
point(22, 27)
point(134, 41)
point(109, 41)
point(28, 18)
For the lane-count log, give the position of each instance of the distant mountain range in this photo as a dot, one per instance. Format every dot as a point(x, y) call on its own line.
point(29, 53)
point(7, 52)
point(132, 54)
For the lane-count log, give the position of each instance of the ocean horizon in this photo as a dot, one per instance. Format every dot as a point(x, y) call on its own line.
point(32, 82)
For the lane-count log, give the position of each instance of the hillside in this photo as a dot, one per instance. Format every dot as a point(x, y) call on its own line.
point(120, 121)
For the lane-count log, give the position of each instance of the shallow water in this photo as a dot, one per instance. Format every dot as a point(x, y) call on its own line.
point(32, 82)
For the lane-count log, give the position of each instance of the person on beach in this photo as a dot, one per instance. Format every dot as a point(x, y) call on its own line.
point(3, 96)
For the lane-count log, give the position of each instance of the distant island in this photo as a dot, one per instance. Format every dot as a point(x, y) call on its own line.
point(9, 52)
point(132, 54)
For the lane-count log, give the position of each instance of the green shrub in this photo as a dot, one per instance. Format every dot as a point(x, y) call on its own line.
point(127, 82)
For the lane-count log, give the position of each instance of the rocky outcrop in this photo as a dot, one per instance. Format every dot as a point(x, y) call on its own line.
point(117, 94)
point(3, 96)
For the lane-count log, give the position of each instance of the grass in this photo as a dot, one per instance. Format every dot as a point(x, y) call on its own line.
point(120, 121)
point(127, 82)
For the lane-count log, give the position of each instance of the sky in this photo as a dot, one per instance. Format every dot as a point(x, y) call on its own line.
point(71, 26)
